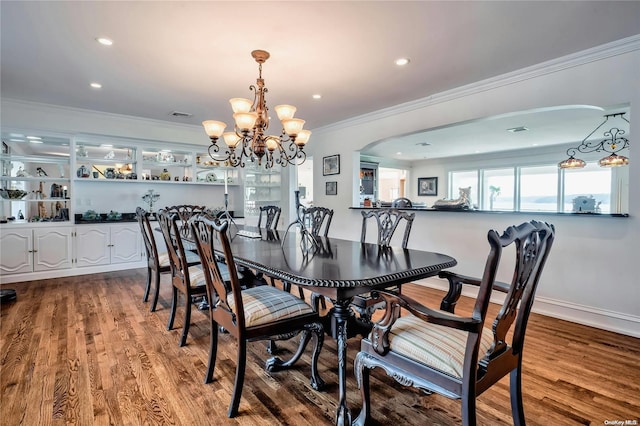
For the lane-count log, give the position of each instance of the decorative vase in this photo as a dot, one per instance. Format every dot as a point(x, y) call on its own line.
point(83, 172)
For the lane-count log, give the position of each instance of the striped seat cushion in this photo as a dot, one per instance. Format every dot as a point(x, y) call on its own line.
point(265, 304)
point(163, 260)
point(196, 276)
point(434, 345)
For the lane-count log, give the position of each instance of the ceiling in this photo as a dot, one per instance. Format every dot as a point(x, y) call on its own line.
point(192, 56)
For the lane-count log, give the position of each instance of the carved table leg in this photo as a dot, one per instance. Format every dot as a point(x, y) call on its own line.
point(341, 314)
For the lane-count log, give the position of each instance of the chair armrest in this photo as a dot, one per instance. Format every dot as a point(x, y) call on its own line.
point(395, 301)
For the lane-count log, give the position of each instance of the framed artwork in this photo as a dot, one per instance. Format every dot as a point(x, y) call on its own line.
point(331, 165)
point(331, 188)
point(428, 186)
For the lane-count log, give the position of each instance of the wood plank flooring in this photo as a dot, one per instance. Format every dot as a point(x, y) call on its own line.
point(86, 350)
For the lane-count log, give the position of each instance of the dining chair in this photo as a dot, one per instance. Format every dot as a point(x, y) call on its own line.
point(386, 222)
point(317, 221)
point(185, 278)
point(251, 314)
point(401, 202)
point(270, 215)
point(458, 356)
point(158, 261)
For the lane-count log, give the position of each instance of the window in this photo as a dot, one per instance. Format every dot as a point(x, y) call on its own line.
point(592, 181)
point(543, 188)
point(464, 180)
point(498, 189)
point(539, 189)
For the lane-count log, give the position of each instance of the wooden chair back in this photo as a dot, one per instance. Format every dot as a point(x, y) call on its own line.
point(148, 237)
point(317, 220)
point(401, 202)
point(270, 215)
point(387, 222)
point(185, 212)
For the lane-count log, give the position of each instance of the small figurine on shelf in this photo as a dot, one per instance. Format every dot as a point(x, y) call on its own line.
point(165, 175)
point(41, 172)
point(21, 172)
point(20, 215)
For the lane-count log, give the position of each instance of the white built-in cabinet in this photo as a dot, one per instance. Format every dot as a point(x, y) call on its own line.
point(33, 250)
point(107, 244)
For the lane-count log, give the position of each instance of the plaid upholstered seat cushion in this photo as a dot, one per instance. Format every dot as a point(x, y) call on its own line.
point(434, 345)
point(164, 261)
point(265, 304)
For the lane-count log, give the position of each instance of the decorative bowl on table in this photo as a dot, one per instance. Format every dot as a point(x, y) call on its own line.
point(13, 194)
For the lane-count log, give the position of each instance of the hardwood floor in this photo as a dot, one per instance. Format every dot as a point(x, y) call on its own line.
point(86, 350)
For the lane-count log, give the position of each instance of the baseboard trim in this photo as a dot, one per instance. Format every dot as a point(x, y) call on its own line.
point(617, 322)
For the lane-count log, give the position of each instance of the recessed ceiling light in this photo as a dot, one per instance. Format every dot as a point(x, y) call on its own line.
point(105, 41)
point(402, 61)
point(317, 96)
point(34, 138)
point(96, 85)
point(36, 141)
point(518, 129)
point(16, 140)
point(398, 153)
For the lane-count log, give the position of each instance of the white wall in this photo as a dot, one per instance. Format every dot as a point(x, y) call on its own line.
point(592, 275)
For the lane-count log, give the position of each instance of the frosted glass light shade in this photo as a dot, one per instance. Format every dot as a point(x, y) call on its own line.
point(303, 137)
point(285, 112)
point(272, 143)
point(245, 120)
point(614, 160)
point(572, 163)
point(214, 128)
point(292, 126)
point(231, 139)
point(240, 104)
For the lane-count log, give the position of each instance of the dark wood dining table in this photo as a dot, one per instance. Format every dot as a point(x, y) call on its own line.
point(336, 268)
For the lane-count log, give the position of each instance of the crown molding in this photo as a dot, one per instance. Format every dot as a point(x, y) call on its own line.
point(608, 50)
point(102, 114)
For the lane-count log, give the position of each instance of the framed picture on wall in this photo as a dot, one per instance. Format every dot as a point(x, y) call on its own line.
point(331, 188)
point(331, 165)
point(428, 186)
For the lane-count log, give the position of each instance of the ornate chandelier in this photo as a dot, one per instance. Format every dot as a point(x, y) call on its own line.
point(613, 142)
point(249, 141)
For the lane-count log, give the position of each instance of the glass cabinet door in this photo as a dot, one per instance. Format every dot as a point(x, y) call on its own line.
point(34, 185)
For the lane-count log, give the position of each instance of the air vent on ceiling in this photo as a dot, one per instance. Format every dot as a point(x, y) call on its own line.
point(423, 144)
point(518, 129)
point(180, 114)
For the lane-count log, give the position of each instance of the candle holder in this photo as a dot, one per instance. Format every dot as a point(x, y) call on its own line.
point(150, 197)
point(307, 241)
